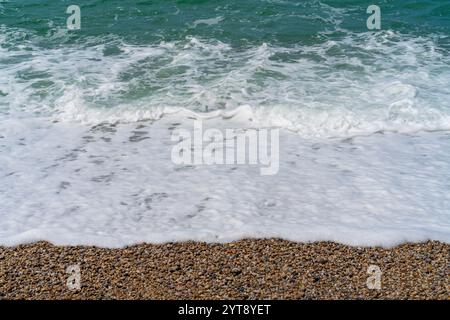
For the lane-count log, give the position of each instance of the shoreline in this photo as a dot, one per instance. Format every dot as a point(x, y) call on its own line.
point(245, 269)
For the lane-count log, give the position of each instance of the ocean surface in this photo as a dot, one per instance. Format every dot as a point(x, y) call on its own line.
point(86, 118)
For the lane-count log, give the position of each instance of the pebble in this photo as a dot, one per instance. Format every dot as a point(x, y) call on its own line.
point(246, 269)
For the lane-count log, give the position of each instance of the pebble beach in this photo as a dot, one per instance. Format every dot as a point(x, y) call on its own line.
point(246, 269)
point(164, 149)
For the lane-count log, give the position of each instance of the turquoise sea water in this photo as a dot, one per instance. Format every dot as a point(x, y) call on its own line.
point(86, 117)
point(242, 23)
point(210, 55)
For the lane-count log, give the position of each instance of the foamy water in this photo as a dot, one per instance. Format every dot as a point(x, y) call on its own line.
point(86, 124)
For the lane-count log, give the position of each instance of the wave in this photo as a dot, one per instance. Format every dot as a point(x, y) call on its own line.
point(359, 84)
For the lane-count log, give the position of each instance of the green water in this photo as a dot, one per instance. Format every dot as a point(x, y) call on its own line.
point(241, 22)
point(300, 58)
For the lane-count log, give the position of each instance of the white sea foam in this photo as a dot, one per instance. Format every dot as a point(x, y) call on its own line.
point(115, 185)
point(208, 22)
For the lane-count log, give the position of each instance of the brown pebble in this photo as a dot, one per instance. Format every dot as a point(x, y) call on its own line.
point(247, 269)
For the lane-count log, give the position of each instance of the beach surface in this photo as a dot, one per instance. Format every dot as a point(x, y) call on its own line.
point(247, 269)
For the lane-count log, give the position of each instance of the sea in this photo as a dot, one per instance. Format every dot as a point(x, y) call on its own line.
point(89, 104)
